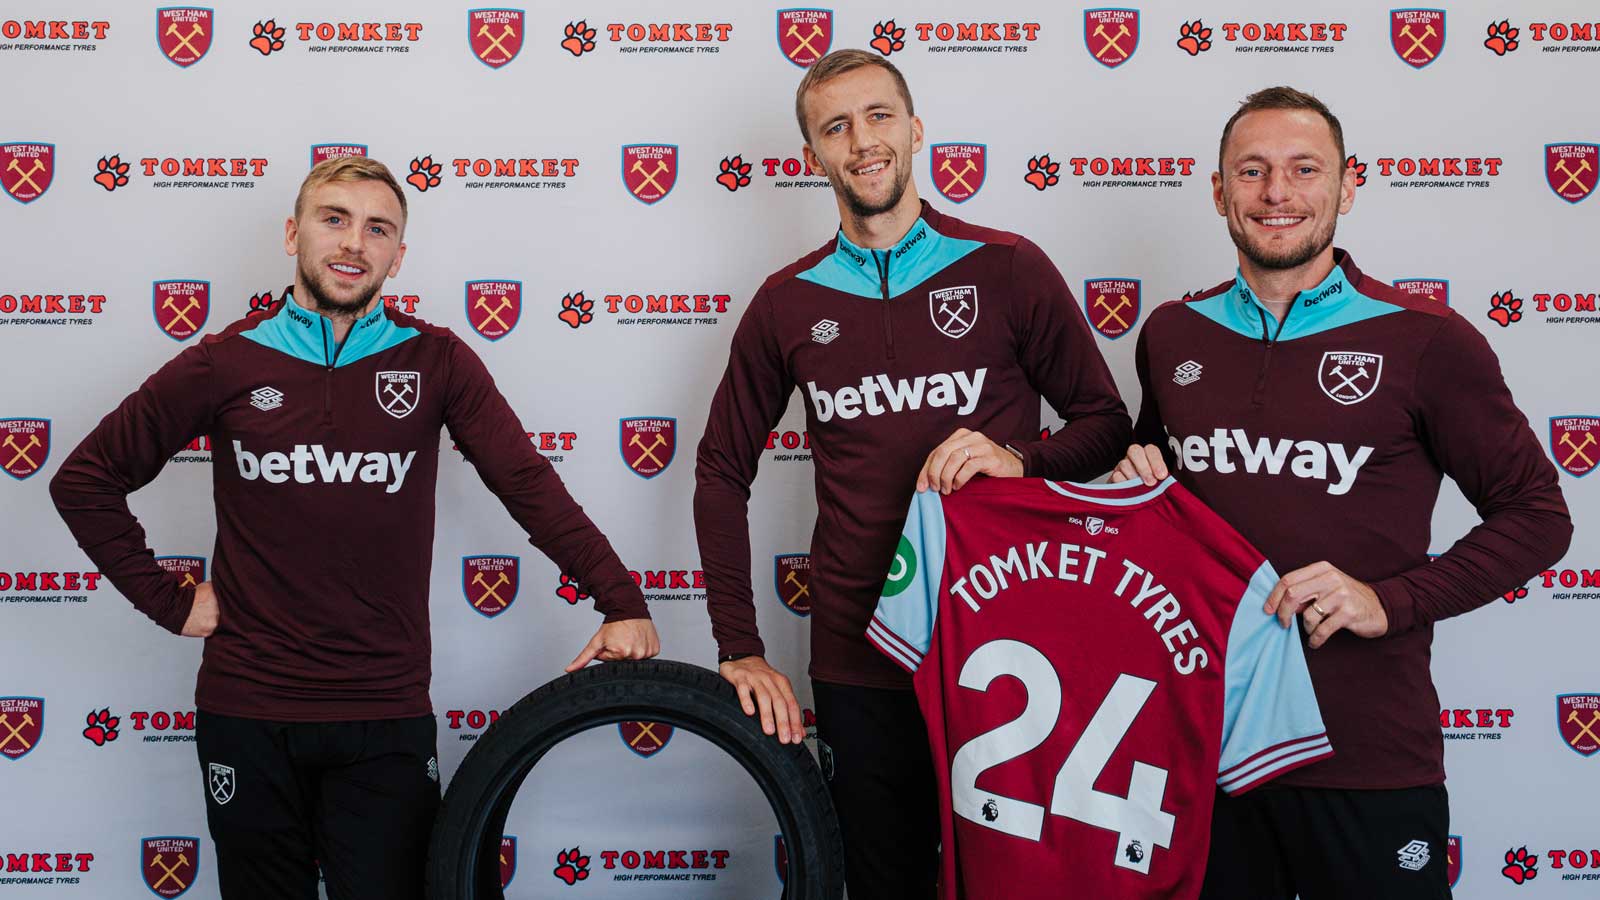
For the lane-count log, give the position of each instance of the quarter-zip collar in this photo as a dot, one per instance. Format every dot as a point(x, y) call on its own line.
point(307, 335)
point(1333, 302)
point(913, 259)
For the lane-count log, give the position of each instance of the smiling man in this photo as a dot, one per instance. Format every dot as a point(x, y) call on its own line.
point(922, 346)
point(314, 728)
point(1317, 410)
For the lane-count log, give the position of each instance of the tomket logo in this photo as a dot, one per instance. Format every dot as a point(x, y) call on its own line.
point(538, 173)
point(1557, 37)
point(958, 170)
point(1119, 171)
point(1428, 288)
point(26, 169)
point(654, 37)
point(647, 444)
point(1452, 859)
point(1042, 173)
point(804, 35)
point(1572, 169)
point(1506, 308)
point(957, 37)
point(572, 866)
point(183, 33)
point(189, 570)
point(24, 861)
point(1111, 35)
point(266, 38)
point(569, 590)
point(1417, 35)
point(1264, 37)
point(55, 30)
point(325, 152)
point(649, 171)
point(645, 739)
point(1578, 718)
point(789, 446)
point(24, 446)
point(322, 34)
point(495, 35)
point(489, 583)
point(473, 721)
point(733, 172)
point(1521, 865)
point(641, 309)
point(181, 306)
point(111, 172)
point(21, 726)
point(424, 174)
point(1572, 443)
point(54, 305)
point(508, 859)
point(791, 577)
point(406, 303)
point(1570, 578)
point(1112, 305)
point(493, 307)
point(169, 864)
point(1475, 724)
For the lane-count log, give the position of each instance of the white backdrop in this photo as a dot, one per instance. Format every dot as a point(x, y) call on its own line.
point(567, 223)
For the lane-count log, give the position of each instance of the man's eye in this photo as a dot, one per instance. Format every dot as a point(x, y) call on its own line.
point(332, 220)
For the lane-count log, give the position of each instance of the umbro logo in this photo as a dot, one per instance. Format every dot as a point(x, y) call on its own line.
point(1187, 374)
point(825, 331)
point(266, 398)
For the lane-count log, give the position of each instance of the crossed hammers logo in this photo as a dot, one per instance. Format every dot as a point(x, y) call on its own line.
point(15, 733)
point(25, 177)
point(805, 42)
point(1112, 312)
point(183, 42)
point(493, 314)
point(804, 590)
point(170, 872)
point(650, 177)
point(1584, 731)
point(647, 728)
point(494, 42)
point(1110, 42)
point(1346, 381)
point(489, 591)
point(1573, 176)
point(1577, 449)
point(21, 452)
point(397, 398)
point(958, 177)
point(647, 452)
point(1417, 43)
point(179, 315)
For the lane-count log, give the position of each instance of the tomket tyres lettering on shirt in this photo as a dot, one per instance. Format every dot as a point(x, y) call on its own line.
point(1093, 662)
point(1326, 437)
point(325, 461)
point(891, 351)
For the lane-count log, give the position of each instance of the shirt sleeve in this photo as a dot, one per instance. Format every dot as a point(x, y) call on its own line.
point(754, 392)
point(902, 625)
point(1270, 720)
point(492, 438)
point(122, 454)
point(1058, 352)
point(1472, 427)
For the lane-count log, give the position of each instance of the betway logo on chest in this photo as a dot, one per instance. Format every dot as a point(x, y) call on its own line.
point(879, 394)
point(311, 463)
point(1305, 459)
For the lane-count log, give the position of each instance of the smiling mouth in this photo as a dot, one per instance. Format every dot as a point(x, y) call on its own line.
point(347, 271)
point(1277, 221)
point(872, 168)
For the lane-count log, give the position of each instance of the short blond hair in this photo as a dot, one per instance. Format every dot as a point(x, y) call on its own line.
point(347, 169)
point(835, 64)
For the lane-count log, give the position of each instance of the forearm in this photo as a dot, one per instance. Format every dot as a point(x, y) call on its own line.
point(722, 527)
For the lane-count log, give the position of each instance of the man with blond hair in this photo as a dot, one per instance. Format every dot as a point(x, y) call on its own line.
point(314, 726)
point(922, 345)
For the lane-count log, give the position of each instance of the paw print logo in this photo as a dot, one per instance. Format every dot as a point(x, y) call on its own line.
point(571, 866)
point(569, 590)
point(1505, 309)
point(1042, 172)
point(575, 311)
point(579, 38)
point(102, 727)
point(887, 38)
point(1194, 38)
point(424, 174)
point(260, 303)
point(1359, 166)
point(1516, 594)
point(268, 37)
point(735, 173)
point(111, 172)
point(1521, 865)
point(1502, 37)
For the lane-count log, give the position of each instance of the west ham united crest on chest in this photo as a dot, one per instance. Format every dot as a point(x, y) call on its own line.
point(1348, 377)
point(398, 392)
point(954, 310)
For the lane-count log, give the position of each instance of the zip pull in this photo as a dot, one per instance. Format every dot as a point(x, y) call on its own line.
point(883, 282)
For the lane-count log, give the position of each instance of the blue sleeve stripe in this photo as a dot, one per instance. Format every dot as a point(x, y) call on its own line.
point(893, 647)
